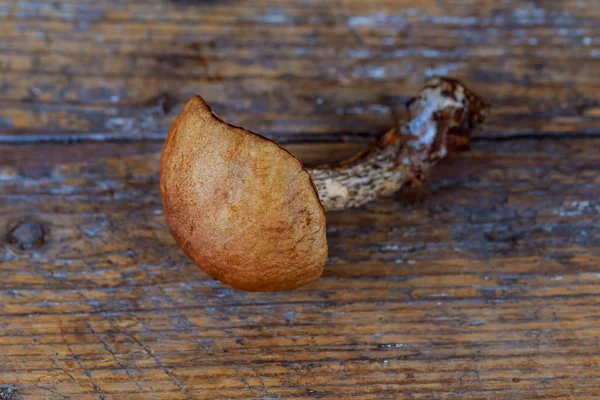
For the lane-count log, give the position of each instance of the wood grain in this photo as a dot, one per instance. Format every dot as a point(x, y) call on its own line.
point(292, 70)
point(489, 287)
point(486, 285)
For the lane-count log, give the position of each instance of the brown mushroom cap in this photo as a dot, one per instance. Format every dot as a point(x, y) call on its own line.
point(240, 206)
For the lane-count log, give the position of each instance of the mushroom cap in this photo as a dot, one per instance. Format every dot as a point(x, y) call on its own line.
point(240, 206)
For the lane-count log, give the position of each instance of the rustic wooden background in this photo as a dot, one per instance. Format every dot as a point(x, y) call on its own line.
point(487, 287)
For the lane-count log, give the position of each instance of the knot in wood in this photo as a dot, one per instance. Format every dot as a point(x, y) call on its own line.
point(27, 235)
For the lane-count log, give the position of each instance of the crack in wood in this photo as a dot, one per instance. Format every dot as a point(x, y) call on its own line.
point(166, 370)
point(97, 388)
point(115, 358)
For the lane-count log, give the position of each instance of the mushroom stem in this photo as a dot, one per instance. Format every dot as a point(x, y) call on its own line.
point(441, 121)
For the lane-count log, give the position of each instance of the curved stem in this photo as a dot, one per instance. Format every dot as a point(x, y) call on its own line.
point(441, 121)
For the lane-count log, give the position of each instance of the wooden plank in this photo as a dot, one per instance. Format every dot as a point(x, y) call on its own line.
point(291, 69)
point(487, 287)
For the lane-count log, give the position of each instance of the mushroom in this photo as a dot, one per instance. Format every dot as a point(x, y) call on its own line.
point(249, 214)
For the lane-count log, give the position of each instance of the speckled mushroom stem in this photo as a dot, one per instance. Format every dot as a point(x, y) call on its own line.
point(441, 121)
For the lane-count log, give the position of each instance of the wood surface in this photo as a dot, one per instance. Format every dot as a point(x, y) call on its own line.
point(484, 285)
point(291, 69)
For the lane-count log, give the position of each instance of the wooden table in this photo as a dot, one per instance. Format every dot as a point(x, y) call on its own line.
point(486, 287)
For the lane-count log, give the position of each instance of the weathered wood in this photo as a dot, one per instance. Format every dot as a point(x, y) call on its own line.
point(291, 69)
point(489, 287)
